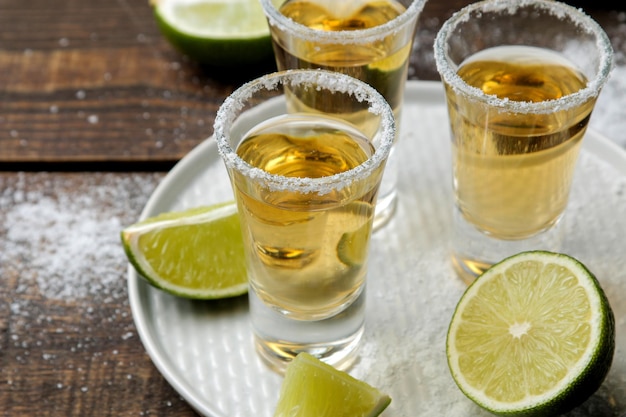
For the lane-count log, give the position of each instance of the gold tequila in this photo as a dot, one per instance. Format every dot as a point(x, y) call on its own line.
point(382, 63)
point(513, 171)
point(309, 249)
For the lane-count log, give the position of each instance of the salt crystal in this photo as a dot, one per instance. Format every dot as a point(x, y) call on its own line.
point(64, 245)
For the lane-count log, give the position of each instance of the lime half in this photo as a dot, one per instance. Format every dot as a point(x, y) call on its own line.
point(532, 336)
point(196, 253)
point(312, 388)
point(218, 33)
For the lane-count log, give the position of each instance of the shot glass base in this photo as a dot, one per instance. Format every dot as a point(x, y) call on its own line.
point(473, 252)
point(335, 340)
point(277, 354)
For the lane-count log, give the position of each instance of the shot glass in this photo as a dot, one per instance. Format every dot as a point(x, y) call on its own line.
point(521, 81)
point(306, 185)
point(366, 39)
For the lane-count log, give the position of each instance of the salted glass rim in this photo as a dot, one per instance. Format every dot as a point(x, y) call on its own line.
point(360, 36)
point(322, 79)
point(560, 10)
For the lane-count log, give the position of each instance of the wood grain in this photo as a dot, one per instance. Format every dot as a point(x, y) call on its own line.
point(92, 85)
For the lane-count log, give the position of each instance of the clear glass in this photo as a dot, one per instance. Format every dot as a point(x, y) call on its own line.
point(367, 40)
point(305, 151)
point(521, 81)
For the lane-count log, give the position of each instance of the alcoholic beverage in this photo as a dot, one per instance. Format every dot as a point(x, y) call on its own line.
point(309, 248)
point(513, 169)
point(306, 186)
point(381, 62)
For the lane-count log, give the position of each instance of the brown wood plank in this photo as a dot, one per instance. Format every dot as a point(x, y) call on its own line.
point(86, 81)
point(69, 346)
point(96, 82)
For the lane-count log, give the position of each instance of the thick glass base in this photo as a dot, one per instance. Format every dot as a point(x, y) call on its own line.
point(334, 340)
point(473, 251)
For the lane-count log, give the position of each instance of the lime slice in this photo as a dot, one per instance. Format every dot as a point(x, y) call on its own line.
point(197, 253)
point(534, 335)
point(312, 388)
point(218, 33)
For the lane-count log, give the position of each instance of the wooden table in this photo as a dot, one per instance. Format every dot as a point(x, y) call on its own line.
point(95, 107)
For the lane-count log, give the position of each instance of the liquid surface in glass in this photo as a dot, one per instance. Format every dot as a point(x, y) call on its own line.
point(513, 171)
point(381, 63)
point(309, 249)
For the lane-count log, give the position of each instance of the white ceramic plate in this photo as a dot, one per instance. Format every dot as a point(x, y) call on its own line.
point(204, 349)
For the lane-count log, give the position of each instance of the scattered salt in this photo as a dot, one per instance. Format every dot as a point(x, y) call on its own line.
point(63, 244)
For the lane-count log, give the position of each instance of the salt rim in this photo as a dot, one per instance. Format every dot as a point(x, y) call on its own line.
point(322, 79)
point(555, 8)
point(361, 36)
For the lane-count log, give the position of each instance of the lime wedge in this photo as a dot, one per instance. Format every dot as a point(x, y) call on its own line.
point(534, 335)
point(218, 33)
point(197, 253)
point(312, 388)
